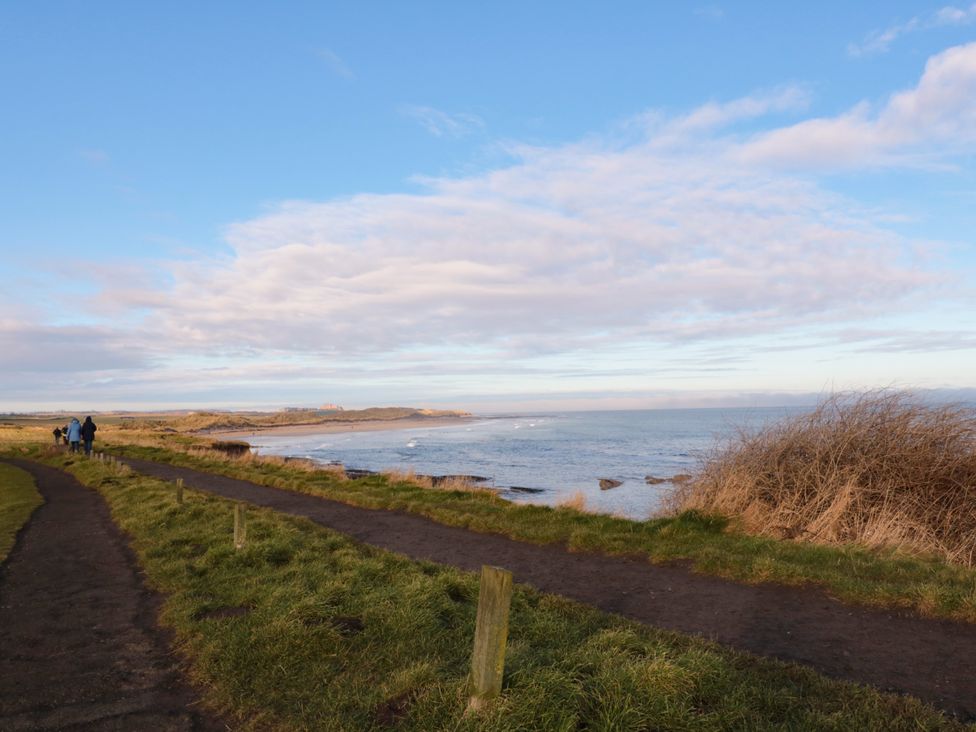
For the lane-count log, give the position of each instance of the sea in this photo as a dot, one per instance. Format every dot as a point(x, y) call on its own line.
point(545, 458)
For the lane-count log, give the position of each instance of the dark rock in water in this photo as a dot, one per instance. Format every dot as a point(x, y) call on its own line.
point(523, 489)
point(354, 473)
point(608, 483)
point(680, 478)
point(438, 479)
point(651, 480)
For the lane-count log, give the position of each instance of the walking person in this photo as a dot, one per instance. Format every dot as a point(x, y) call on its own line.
point(88, 434)
point(57, 435)
point(74, 434)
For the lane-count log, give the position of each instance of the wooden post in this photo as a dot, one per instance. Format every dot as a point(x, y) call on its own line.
point(490, 635)
point(240, 526)
point(179, 490)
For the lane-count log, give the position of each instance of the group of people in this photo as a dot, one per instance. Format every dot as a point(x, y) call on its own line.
point(75, 433)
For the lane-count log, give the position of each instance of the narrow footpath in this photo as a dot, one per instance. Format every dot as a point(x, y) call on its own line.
point(79, 646)
point(934, 660)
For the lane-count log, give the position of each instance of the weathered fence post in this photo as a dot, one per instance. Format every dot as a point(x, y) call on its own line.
point(179, 490)
point(490, 635)
point(240, 527)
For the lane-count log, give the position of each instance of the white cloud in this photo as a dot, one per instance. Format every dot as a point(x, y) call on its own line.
point(710, 12)
point(581, 248)
point(442, 124)
point(919, 126)
point(336, 65)
point(879, 41)
point(94, 156)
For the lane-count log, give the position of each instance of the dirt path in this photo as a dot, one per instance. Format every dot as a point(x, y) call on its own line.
point(896, 651)
point(79, 648)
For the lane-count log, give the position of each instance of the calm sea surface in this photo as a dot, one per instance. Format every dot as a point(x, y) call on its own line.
point(558, 454)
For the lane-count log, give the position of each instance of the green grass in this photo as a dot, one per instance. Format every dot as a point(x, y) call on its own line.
point(18, 499)
point(340, 636)
point(851, 573)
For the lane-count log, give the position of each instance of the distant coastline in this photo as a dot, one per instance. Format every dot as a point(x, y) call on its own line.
point(335, 427)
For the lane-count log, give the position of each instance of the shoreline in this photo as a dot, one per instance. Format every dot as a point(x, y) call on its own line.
point(330, 428)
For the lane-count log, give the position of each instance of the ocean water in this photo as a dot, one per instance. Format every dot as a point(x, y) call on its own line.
point(556, 454)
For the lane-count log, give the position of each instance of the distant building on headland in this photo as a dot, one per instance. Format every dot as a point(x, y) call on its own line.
point(323, 408)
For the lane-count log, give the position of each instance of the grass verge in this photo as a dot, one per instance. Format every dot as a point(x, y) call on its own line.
point(18, 500)
point(305, 629)
point(852, 573)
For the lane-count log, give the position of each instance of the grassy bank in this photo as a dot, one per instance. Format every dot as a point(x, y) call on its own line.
point(852, 573)
point(18, 500)
point(304, 629)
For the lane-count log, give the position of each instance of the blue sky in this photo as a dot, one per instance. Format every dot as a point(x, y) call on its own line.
point(520, 205)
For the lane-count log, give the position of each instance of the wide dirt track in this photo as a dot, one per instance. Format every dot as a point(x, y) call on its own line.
point(934, 660)
point(79, 645)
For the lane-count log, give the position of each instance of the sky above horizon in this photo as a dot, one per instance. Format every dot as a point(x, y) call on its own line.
point(515, 206)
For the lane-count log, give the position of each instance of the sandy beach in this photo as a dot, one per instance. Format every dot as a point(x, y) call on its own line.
point(328, 428)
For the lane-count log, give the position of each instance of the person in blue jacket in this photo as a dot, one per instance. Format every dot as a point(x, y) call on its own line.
point(74, 434)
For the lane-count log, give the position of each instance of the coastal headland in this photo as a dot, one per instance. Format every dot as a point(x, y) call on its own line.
point(332, 427)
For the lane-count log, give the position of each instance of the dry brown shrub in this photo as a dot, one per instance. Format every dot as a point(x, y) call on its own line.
point(577, 502)
point(880, 468)
point(408, 476)
point(457, 483)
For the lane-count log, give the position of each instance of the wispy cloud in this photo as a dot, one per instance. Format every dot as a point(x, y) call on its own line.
point(923, 126)
point(585, 247)
point(710, 12)
point(443, 124)
point(336, 65)
point(880, 40)
point(94, 156)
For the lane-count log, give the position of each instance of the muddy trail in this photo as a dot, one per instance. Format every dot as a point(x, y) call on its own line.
point(892, 650)
point(79, 645)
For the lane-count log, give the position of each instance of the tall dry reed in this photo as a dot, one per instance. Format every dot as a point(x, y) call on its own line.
point(880, 468)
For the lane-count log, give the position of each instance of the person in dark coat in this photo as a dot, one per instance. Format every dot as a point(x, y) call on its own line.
point(88, 434)
point(57, 435)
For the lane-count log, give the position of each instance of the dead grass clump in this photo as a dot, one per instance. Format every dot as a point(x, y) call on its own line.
point(577, 502)
point(408, 476)
point(457, 483)
point(880, 468)
point(440, 483)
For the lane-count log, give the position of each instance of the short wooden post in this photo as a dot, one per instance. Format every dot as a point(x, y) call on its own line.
point(240, 527)
point(490, 635)
point(179, 490)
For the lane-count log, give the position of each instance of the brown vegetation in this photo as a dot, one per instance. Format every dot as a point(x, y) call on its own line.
point(577, 502)
point(225, 421)
point(881, 469)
